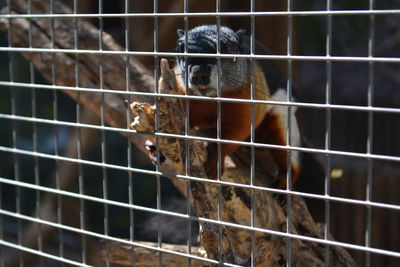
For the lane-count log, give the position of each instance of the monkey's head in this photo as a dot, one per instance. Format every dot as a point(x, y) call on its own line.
point(202, 71)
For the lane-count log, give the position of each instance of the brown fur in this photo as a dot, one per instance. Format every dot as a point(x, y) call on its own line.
point(236, 124)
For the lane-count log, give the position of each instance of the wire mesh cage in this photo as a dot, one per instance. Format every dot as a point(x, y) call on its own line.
point(130, 136)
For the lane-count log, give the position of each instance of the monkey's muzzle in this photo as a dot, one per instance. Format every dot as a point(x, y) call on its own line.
point(199, 75)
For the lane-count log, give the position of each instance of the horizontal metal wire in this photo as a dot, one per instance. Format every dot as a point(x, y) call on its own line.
point(188, 217)
point(204, 180)
point(38, 252)
point(205, 98)
point(205, 139)
point(211, 14)
point(174, 54)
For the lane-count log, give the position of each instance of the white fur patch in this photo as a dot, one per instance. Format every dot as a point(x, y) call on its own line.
point(282, 110)
point(212, 90)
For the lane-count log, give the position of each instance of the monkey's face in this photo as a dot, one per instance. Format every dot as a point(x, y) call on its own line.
point(205, 76)
point(201, 78)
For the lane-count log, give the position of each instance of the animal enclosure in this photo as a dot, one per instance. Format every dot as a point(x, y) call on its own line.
point(99, 165)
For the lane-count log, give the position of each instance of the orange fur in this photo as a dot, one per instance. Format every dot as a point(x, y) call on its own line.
point(236, 124)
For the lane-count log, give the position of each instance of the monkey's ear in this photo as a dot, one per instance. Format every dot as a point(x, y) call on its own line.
point(240, 33)
point(181, 33)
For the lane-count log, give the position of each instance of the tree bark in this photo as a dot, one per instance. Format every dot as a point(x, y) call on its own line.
point(122, 254)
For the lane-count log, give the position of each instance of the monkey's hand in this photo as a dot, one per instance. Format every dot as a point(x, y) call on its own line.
point(211, 165)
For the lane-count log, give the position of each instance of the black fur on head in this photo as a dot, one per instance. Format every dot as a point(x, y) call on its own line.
point(202, 71)
point(203, 39)
point(233, 72)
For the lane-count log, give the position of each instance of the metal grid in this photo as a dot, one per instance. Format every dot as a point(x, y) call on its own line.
point(326, 151)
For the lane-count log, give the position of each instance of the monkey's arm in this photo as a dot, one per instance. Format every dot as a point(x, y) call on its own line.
point(272, 130)
point(235, 125)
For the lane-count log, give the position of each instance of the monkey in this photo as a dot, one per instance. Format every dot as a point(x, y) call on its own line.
point(270, 121)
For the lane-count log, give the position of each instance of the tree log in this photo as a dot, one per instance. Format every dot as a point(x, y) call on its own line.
point(225, 243)
point(122, 254)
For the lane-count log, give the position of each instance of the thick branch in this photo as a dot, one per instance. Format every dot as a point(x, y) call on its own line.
point(115, 107)
point(122, 254)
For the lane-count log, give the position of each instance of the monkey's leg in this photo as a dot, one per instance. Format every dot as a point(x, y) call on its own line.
point(228, 133)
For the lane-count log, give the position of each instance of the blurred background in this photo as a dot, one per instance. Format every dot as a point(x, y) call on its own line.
point(349, 129)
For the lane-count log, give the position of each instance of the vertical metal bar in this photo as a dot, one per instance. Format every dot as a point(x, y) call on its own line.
point(156, 77)
point(14, 132)
point(288, 132)
point(188, 206)
point(371, 46)
point(35, 140)
point(328, 118)
point(219, 130)
point(53, 81)
point(79, 137)
point(56, 140)
point(34, 125)
point(252, 133)
point(55, 104)
point(129, 144)
point(187, 142)
point(103, 134)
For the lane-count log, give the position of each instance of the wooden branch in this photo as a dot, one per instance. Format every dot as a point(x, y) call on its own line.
point(270, 210)
point(115, 107)
point(88, 38)
point(204, 196)
point(122, 254)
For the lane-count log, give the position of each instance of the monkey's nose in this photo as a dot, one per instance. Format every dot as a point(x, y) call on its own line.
point(200, 75)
